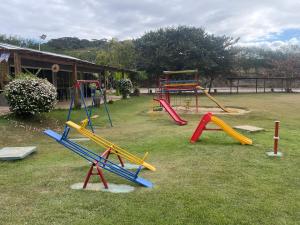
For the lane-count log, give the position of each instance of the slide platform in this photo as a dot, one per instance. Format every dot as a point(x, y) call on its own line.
point(171, 112)
point(109, 145)
point(208, 117)
point(102, 162)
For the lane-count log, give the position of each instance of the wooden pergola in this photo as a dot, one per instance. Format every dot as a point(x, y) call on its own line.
point(14, 60)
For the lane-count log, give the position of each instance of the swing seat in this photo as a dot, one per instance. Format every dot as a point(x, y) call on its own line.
point(145, 156)
point(85, 122)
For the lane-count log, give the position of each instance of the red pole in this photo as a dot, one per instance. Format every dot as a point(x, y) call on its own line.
point(196, 100)
point(121, 161)
point(101, 177)
point(89, 174)
point(276, 137)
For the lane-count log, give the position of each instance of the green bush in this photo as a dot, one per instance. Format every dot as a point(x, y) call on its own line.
point(125, 86)
point(29, 95)
point(136, 92)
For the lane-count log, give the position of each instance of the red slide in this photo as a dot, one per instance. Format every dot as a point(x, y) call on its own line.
point(172, 112)
point(201, 126)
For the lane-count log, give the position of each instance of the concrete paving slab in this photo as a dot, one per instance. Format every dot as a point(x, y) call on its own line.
point(271, 154)
point(15, 153)
point(249, 128)
point(79, 139)
point(113, 188)
point(130, 166)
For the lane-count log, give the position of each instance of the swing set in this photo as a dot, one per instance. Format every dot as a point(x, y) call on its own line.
point(78, 86)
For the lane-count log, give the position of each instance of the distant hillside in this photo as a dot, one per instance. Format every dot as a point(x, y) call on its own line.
point(88, 54)
point(73, 46)
point(74, 43)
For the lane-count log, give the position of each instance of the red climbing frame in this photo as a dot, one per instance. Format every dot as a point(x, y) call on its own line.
point(165, 92)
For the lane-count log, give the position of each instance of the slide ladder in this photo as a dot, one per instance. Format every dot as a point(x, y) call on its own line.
point(208, 117)
point(109, 145)
point(171, 112)
point(94, 158)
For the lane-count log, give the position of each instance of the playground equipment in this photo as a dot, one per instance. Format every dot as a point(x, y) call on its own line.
point(172, 112)
point(185, 83)
point(276, 140)
point(88, 109)
point(214, 100)
point(208, 117)
point(182, 85)
point(97, 162)
point(109, 146)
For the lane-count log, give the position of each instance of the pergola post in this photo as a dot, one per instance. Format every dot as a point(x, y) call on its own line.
point(54, 79)
point(256, 85)
point(4, 71)
point(104, 79)
point(76, 92)
point(17, 64)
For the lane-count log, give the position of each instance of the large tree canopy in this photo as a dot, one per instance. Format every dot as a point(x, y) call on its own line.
point(184, 48)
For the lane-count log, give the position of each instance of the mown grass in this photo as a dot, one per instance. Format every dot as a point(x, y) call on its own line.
point(215, 181)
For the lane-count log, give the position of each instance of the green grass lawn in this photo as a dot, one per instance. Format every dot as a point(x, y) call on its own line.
point(215, 181)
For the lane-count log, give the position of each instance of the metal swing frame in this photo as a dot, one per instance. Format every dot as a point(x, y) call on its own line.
point(87, 109)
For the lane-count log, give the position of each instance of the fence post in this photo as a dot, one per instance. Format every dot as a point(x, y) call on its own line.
point(256, 85)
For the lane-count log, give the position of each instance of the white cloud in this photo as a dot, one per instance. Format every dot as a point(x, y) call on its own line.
point(252, 21)
point(274, 45)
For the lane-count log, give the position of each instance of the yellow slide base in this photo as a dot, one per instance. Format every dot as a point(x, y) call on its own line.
point(231, 132)
point(109, 145)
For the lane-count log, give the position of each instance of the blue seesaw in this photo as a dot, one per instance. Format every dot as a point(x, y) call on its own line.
point(97, 161)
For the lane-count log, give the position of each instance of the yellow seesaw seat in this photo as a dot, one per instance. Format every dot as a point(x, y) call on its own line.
point(109, 145)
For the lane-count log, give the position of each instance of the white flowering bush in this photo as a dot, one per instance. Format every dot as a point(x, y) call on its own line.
point(29, 95)
point(125, 86)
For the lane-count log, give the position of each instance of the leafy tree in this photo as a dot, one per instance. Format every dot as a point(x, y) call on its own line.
point(185, 48)
point(267, 62)
point(118, 54)
point(18, 41)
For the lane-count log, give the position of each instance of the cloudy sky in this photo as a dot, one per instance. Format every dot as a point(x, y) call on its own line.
point(269, 22)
